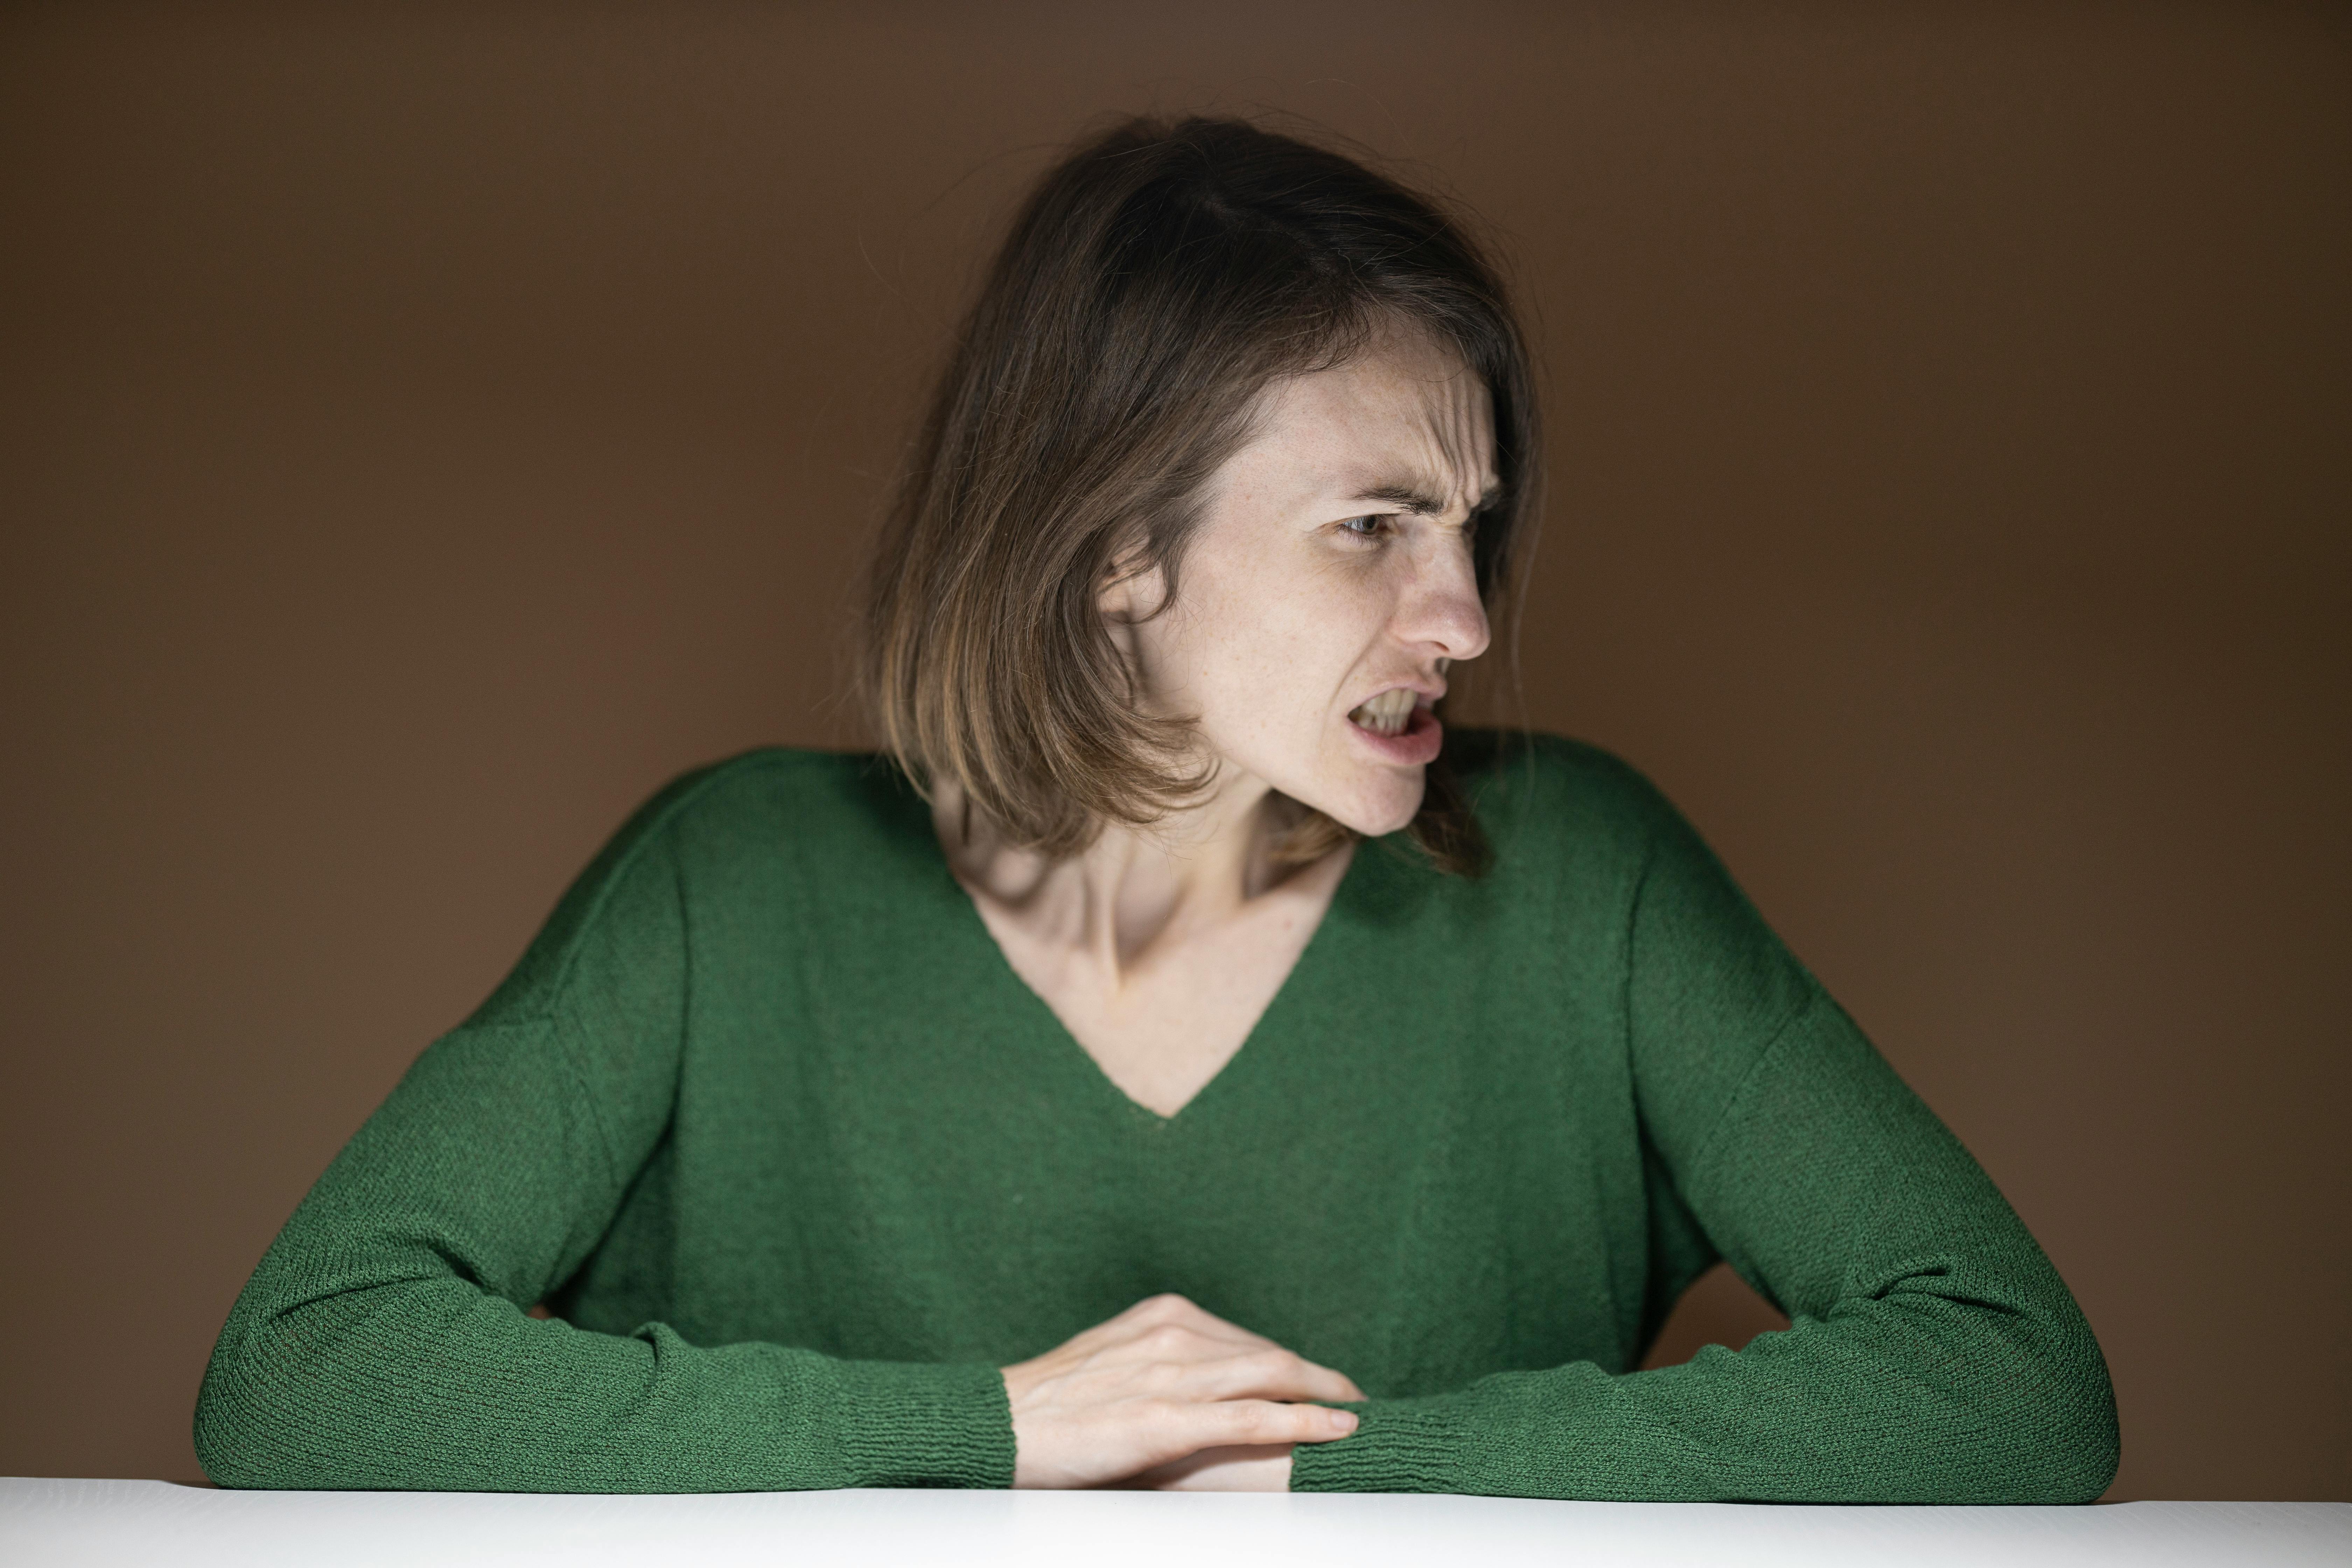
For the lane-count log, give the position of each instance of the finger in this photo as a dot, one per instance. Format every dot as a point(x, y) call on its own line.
point(1169, 1328)
point(1268, 1374)
point(1229, 1422)
point(1188, 1314)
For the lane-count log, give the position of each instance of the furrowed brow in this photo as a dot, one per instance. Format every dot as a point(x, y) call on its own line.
point(1404, 498)
point(1419, 502)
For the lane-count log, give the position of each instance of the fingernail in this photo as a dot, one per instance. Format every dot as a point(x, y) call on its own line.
point(1344, 1420)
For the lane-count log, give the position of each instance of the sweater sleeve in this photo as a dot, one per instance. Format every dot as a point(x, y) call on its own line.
point(383, 1341)
point(1933, 1353)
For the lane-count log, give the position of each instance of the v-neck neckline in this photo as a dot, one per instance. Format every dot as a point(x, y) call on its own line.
point(1066, 1046)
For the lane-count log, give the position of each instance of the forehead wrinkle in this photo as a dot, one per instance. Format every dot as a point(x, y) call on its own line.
point(1409, 435)
point(1451, 471)
point(1458, 431)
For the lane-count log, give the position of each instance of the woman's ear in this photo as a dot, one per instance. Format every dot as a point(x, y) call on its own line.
point(1130, 594)
point(1130, 590)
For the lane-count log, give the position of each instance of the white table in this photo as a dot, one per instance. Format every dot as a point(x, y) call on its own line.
point(52, 1523)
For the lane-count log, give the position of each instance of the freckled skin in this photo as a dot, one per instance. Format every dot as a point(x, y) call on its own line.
point(1299, 600)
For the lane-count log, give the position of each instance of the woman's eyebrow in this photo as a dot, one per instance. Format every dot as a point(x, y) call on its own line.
point(1419, 501)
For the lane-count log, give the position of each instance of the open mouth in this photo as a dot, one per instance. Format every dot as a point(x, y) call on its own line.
point(1387, 714)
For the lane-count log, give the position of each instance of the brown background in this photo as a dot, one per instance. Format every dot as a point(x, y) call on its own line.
point(428, 429)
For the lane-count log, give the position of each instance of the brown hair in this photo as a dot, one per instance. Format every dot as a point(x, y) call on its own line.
point(1156, 280)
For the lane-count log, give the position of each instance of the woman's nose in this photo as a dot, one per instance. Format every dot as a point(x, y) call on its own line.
point(1442, 612)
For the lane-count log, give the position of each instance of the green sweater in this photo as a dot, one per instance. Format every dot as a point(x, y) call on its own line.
point(799, 1162)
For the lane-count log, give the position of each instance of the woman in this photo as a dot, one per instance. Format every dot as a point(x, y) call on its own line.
point(1073, 1097)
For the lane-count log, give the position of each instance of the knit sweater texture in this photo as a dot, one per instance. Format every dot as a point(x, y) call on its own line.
point(798, 1162)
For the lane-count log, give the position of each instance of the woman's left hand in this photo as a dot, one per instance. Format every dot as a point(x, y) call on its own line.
point(1265, 1468)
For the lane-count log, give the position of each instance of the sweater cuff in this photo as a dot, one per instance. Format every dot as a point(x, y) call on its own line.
point(912, 1425)
point(1402, 1445)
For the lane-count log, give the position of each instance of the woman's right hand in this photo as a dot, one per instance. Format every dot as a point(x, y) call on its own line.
point(1161, 1381)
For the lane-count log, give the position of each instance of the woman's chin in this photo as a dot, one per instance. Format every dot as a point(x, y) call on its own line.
point(1374, 807)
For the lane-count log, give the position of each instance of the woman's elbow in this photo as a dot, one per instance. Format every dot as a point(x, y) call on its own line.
point(232, 1436)
point(2060, 1442)
point(2086, 1443)
point(260, 1423)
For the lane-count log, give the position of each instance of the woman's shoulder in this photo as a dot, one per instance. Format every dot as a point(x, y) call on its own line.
point(1536, 792)
point(781, 799)
point(1574, 827)
point(752, 807)
point(726, 839)
point(767, 780)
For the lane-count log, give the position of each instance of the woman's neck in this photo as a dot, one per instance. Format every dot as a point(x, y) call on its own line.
point(1133, 889)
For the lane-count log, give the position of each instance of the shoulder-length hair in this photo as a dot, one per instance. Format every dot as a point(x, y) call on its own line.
point(1155, 282)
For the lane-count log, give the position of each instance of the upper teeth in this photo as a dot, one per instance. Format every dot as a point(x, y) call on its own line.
point(1386, 713)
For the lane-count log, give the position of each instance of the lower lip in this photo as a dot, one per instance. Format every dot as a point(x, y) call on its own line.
point(1415, 747)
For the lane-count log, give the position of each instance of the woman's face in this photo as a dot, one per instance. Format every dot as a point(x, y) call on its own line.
point(1329, 584)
